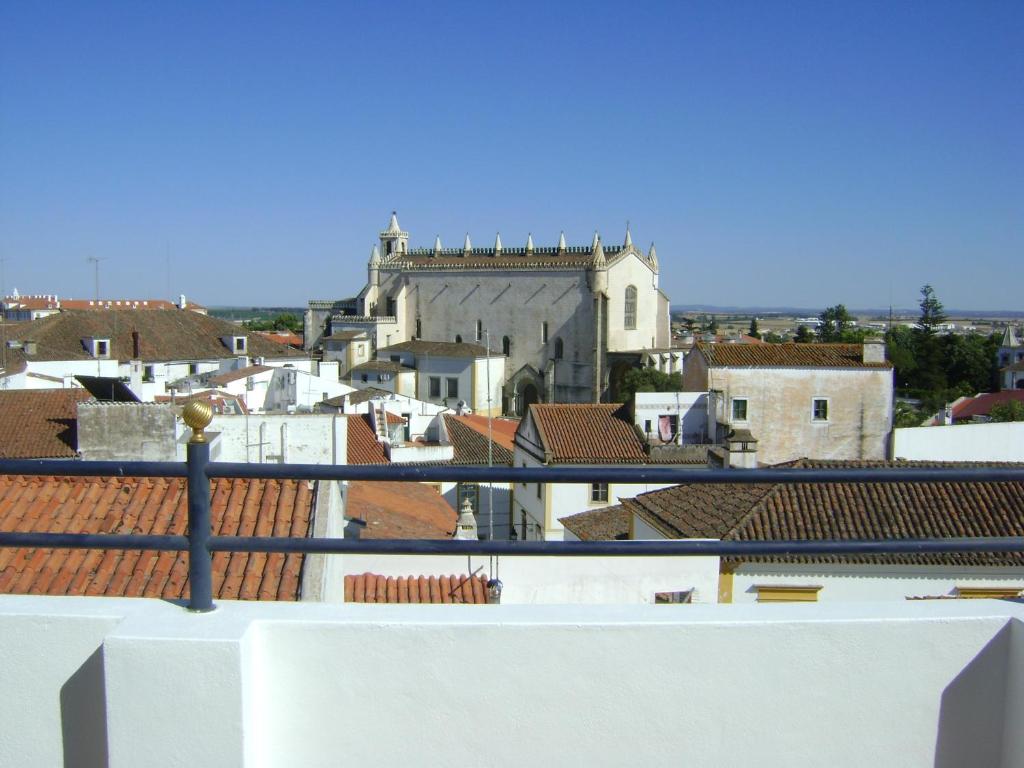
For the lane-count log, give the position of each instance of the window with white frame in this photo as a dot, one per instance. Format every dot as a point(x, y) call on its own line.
point(598, 492)
point(739, 409)
point(819, 409)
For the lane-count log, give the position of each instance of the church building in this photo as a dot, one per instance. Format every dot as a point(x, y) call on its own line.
point(557, 314)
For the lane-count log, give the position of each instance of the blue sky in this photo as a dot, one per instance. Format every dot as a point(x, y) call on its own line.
point(779, 153)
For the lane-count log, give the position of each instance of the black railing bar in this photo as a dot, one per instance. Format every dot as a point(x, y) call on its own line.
point(668, 547)
point(76, 468)
point(637, 474)
point(40, 540)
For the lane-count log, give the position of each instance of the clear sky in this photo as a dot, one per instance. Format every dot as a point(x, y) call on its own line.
point(779, 153)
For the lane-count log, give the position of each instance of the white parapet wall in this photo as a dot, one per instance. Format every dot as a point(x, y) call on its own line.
point(95, 681)
point(961, 442)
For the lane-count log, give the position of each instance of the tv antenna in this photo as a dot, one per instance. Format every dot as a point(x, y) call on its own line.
point(95, 261)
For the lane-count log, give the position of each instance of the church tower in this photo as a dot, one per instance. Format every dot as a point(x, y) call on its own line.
point(393, 241)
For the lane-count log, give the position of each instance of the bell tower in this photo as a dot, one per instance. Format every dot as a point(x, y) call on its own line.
point(393, 241)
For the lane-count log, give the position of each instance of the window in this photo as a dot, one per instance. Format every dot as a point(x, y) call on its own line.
point(680, 597)
point(396, 358)
point(102, 348)
point(419, 328)
point(559, 348)
point(785, 593)
point(452, 388)
point(544, 332)
point(148, 373)
point(365, 377)
point(539, 487)
point(435, 386)
point(647, 426)
point(629, 319)
point(819, 409)
point(739, 409)
point(479, 330)
point(598, 492)
point(392, 308)
point(458, 339)
point(193, 368)
point(469, 491)
point(239, 343)
point(506, 346)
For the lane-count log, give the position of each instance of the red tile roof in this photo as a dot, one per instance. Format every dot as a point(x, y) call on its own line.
point(982, 404)
point(468, 437)
point(400, 510)
point(788, 355)
point(363, 447)
point(817, 511)
point(149, 506)
point(39, 423)
point(503, 429)
point(283, 337)
point(373, 588)
point(588, 434)
point(600, 524)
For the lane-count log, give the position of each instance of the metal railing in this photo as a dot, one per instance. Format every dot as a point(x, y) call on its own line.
point(200, 543)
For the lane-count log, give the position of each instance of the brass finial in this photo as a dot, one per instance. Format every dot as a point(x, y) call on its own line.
point(197, 416)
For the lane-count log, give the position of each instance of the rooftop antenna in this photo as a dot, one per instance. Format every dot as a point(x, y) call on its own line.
point(95, 261)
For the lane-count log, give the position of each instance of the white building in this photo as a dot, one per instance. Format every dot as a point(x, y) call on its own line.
point(555, 312)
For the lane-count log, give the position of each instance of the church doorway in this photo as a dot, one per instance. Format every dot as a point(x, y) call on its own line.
point(529, 396)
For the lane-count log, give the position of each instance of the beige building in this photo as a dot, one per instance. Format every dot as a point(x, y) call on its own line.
point(820, 401)
point(555, 313)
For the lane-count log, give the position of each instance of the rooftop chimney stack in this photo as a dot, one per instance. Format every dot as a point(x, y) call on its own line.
point(874, 351)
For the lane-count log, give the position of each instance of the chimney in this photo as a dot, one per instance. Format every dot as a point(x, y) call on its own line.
point(465, 529)
point(136, 345)
point(741, 450)
point(874, 351)
point(182, 304)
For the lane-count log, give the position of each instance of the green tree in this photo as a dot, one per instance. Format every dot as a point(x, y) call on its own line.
point(1012, 410)
point(712, 326)
point(803, 335)
point(753, 330)
point(648, 380)
point(899, 349)
point(928, 347)
point(834, 323)
point(906, 415)
point(772, 338)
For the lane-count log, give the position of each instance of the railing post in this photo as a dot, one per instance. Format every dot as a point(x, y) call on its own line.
point(197, 416)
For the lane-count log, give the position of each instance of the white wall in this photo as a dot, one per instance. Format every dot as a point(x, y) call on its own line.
point(690, 407)
point(845, 583)
point(305, 438)
point(961, 442)
point(268, 684)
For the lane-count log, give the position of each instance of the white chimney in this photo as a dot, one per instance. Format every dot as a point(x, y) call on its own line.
point(465, 529)
point(874, 351)
point(182, 304)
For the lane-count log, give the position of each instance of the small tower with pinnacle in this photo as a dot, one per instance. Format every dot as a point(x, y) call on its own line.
point(393, 241)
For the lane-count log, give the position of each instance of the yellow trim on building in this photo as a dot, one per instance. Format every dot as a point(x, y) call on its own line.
point(724, 584)
point(786, 593)
point(979, 593)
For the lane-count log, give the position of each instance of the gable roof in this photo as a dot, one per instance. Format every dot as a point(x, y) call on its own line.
point(55, 302)
point(383, 366)
point(39, 423)
point(362, 446)
point(468, 437)
point(163, 336)
point(436, 348)
point(590, 433)
point(399, 510)
point(980, 405)
point(788, 355)
point(149, 506)
point(843, 511)
point(374, 588)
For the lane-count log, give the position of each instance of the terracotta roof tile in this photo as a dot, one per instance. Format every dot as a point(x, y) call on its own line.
point(363, 447)
point(39, 423)
point(790, 355)
point(374, 588)
point(982, 404)
point(148, 506)
point(588, 434)
point(600, 524)
point(400, 510)
point(163, 335)
point(816, 511)
point(468, 436)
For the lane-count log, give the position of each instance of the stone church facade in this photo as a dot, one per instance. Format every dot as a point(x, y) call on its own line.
point(555, 312)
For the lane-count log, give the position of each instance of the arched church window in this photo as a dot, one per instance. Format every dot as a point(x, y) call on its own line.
point(559, 348)
point(630, 314)
point(506, 346)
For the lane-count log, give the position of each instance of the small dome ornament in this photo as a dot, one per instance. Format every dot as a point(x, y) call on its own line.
point(197, 416)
